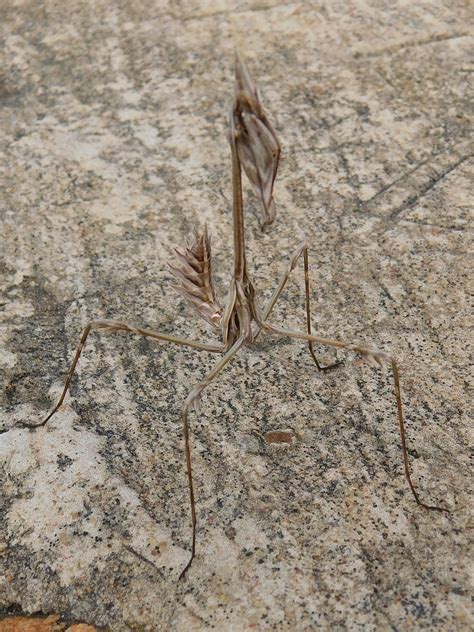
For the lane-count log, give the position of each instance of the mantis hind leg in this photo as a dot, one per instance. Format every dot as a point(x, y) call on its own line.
point(373, 358)
point(191, 403)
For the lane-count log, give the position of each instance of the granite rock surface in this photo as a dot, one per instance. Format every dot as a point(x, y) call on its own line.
point(113, 118)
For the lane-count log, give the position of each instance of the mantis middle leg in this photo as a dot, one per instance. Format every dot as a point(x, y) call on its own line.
point(113, 325)
point(302, 250)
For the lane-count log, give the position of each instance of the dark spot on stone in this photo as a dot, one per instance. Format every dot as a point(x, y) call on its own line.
point(63, 461)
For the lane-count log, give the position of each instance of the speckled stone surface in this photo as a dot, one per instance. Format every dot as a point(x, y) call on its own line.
point(113, 118)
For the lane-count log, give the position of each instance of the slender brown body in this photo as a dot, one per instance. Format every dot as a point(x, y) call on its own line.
point(255, 150)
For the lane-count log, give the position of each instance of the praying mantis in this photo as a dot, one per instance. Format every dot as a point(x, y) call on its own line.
point(255, 152)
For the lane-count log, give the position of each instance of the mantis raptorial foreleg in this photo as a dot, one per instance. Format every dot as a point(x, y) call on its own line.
point(191, 402)
point(302, 250)
point(377, 357)
point(113, 325)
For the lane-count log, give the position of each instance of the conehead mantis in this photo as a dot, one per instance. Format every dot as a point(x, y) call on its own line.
point(255, 151)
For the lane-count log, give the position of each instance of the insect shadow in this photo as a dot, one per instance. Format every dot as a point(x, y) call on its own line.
point(255, 150)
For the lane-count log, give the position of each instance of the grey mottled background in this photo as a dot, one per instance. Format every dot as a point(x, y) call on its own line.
point(113, 117)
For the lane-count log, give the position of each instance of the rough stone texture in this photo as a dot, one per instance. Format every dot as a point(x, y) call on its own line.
point(113, 118)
